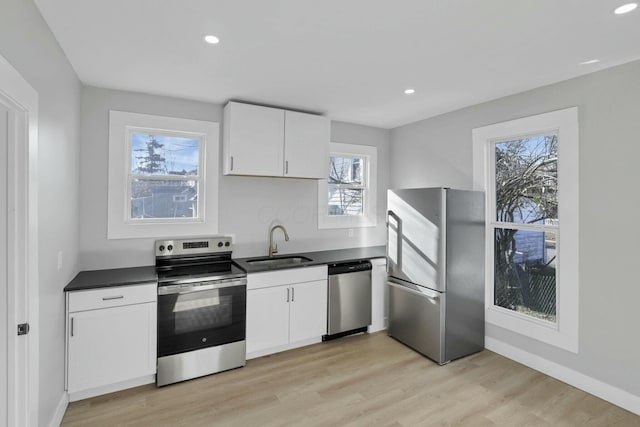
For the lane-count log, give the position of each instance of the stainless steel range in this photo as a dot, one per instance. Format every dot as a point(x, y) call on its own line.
point(201, 309)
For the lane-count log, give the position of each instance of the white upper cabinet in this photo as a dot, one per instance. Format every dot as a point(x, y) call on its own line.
point(252, 140)
point(265, 141)
point(306, 145)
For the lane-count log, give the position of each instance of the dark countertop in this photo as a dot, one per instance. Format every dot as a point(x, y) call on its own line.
point(97, 279)
point(317, 258)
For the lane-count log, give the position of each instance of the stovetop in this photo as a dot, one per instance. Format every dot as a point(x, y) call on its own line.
point(204, 259)
point(204, 272)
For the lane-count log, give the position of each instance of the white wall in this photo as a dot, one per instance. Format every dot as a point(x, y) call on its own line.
point(27, 43)
point(248, 205)
point(438, 152)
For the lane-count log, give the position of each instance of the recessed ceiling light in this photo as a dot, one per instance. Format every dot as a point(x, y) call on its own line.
point(409, 91)
point(589, 62)
point(211, 39)
point(625, 8)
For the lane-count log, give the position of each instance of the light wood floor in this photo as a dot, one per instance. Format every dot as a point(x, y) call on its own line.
point(361, 380)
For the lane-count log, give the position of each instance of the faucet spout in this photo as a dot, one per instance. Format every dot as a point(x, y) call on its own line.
point(274, 249)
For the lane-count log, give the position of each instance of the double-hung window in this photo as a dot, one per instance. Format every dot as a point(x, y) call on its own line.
point(348, 197)
point(528, 169)
point(163, 176)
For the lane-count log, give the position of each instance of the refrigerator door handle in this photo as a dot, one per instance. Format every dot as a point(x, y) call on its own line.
point(398, 228)
point(432, 295)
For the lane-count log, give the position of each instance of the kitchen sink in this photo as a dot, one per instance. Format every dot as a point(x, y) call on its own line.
point(279, 262)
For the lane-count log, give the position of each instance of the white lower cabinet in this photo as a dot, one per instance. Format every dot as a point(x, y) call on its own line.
point(379, 295)
point(285, 309)
point(267, 318)
point(308, 311)
point(111, 339)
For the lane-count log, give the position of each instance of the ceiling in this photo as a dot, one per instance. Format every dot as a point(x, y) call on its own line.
point(348, 59)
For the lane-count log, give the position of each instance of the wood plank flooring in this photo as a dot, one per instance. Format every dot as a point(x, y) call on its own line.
point(363, 380)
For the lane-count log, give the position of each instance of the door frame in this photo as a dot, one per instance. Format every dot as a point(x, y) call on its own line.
point(22, 245)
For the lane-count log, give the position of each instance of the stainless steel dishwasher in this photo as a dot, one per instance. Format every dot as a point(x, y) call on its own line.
point(349, 299)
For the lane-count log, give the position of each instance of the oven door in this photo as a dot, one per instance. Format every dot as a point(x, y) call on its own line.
point(200, 314)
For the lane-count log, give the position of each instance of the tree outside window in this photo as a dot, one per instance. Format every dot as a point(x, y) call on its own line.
point(164, 176)
point(526, 225)
point(346, 185)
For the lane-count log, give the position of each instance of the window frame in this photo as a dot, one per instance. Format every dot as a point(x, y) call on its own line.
point(564, 332)
point(369, 177)
point(122, 125)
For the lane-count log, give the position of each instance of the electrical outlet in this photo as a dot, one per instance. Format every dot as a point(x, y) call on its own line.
point(59, 260)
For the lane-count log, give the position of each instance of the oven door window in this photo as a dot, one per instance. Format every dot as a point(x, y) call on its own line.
point(195, 319)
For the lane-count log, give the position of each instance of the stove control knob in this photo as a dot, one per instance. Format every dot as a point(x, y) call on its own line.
point(170, 248)
point(220, 244)
point(227, 244)
point(161, 248)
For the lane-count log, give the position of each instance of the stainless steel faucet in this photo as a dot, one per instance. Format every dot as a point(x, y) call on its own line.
point(274, 249)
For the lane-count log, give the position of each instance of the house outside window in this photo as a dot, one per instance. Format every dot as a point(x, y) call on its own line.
point(529, 170)
point(163, 176)
point(346, 185)
point(164, 179)
point(525, 224)
point(347, 198)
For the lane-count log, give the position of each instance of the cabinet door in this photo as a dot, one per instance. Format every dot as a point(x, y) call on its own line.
point(111, 345)
point(306, 145)
point(379, 295)
point(267, 318)
point(253, 140)
point(308, 310)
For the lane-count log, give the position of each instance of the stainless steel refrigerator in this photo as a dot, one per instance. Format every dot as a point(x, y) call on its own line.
point(435, 258)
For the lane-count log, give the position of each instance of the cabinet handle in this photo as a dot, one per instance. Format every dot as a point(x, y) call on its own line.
point(286, 167)
point(72, 326)
point(287, 294)
point(114, 297)
point(231, 168)
point(293, 294)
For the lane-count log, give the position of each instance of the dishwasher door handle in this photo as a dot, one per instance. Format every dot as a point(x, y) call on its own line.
point(432, 295)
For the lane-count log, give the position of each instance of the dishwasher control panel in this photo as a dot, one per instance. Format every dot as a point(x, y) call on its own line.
point(348, 267)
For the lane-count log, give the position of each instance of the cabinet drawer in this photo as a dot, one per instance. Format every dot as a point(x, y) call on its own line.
point(286, 276)
point(112, 297)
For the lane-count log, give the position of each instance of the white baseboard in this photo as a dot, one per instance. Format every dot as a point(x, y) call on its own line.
point(605, 391)
point(110, 388)
point(61, 408)
point(278, 349)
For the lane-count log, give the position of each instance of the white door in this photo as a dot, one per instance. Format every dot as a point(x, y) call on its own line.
point(110, 345)
point(255, 137)
point(306, 145)
point(4, 307)
point(267, 318)
point(18, 249)
point(308, 310)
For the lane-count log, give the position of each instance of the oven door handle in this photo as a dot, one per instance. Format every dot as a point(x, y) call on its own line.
point(199, 287)
point(204, 280)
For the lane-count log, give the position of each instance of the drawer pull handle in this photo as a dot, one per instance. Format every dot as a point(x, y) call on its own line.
point(72, 326)
point(110, 298)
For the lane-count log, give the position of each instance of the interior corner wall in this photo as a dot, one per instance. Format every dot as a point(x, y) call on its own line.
point(248, 206)
point(438, 152)
point(30, 47)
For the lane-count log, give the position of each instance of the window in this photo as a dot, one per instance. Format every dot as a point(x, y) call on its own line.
point(525, 224)
point(157, 171)
point(529, 170)
point(348, 197)
point(164, 176)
